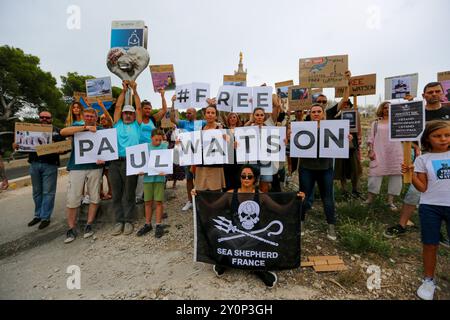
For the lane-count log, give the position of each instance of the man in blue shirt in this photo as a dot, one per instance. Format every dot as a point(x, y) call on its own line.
point(128, 124)
point(188, 125)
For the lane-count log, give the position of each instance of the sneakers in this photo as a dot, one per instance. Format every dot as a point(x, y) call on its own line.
point(269, 278)
point(218, 270)
point(443, 241)
point(88, 232)
point(118, 227)
point(159, 231)
point(426, 290)
point(395, 231)
point(393, 207)
point(44, 224)
point(187, 206)
point(70, 236)
point(34, 221)
point(331, 232)
point(86, 200)
point(144, 230)
point(302, 228)
point(128, 228)
point(139, 200)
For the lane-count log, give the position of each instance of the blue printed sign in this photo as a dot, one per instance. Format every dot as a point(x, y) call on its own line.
point(126, 34)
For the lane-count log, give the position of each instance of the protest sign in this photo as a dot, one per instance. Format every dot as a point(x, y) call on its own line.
point(126, 34)
point(160, 162)
point(98, 88)
point(398, 87)
point(225, 98)
point(262, 98)
point(446, 87)
point(163, 77)
point(323, 72)
point(442, 76)
point(299, 98)
point(406, 121)
point(57, 147)
point(235, 80)
point(303, 139)
point(215, 147)
point(242, 100)
point(282, 88)
point(273, 145)
point(333, 142)
point(352, 117)
point(92, 146)
point(192, 95)
point(137, 159)
point(256, 231)
point(30, 135)
point(247, 139)
point(189, 148)
point(364, 85)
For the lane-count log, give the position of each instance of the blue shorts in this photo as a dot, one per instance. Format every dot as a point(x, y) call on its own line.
point(266, 178)
point(188, 173)
point(431, 218)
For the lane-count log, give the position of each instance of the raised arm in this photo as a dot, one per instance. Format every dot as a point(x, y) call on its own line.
point(100, 103)
point(160, 114)
point(137, 101)
point(173, 113)
point(346, 94)
point(119, 103)
point(276, 108)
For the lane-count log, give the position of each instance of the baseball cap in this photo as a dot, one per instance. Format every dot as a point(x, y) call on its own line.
point(128, 108)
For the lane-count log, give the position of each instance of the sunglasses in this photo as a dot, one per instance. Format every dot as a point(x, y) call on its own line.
point(45, 118)
point(246, 177)
point(322, 102)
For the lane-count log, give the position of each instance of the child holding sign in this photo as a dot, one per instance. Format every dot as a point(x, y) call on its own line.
point(432, 178)
point(154, 191)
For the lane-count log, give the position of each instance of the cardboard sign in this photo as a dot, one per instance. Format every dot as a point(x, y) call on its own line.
point(442, 76)
point(364, 85)
point(406, 121)
point(160, 162)
point(30, 135)
point(446, 87)
point(90, 146)
point(192, 95)
point(215, 147)
point(282, 88)
point(399, 87)
point(247, 139)
point(137, 159)
point(163, 76)
point(242, 97)
point(299, 98)
point(189, 148)
point(57, 147)
point(352, 117)
point(235, 80)
point(323, 72)
point(273, 146)
point(262, 98)
point(99, 88)
point(127, 34)
point(303, 139)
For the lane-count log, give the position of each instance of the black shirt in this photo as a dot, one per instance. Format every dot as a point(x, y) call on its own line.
point(439, 114)
point(52, 158)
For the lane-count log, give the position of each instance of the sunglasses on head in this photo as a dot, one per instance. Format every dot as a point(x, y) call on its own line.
point(247, 177)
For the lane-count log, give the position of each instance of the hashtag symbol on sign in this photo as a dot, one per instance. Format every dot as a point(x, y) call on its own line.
point(183, 95)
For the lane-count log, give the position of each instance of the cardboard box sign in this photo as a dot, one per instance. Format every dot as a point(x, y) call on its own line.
point(235, 80)
point(30, 135)
point(299, 98)
point(442, 76)
point(364, 85)
point(282, 88)
point(57, 147)
point(323, 72)
point(90, 147)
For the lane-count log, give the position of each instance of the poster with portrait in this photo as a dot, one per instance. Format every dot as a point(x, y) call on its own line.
point(399, 87)
point(163, 77)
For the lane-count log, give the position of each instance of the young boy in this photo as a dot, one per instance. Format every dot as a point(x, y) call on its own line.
point(154, 190)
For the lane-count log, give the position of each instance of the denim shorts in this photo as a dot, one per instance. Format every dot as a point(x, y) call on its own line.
point(266, 178)
point(412, 197)
point(431, 218)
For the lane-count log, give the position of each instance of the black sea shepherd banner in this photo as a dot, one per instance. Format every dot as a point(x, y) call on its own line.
point(259, 231)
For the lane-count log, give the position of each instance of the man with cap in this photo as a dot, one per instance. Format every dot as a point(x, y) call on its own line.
point(128, 125)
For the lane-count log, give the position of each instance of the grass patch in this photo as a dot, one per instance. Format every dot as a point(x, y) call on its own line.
point(357, 238)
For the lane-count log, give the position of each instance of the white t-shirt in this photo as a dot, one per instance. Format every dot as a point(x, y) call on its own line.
point(437, 168)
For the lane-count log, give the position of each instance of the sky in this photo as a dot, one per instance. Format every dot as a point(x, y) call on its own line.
point(203, 38)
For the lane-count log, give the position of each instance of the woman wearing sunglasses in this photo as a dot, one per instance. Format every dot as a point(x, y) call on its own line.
point(249, 175)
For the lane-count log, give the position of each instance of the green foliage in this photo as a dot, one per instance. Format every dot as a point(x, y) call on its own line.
point(74, 82)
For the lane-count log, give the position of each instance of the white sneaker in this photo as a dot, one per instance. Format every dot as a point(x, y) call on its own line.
point(331, 233)
point(187, 206)
point(302, 228)
point(86, 200)
point(426, 290)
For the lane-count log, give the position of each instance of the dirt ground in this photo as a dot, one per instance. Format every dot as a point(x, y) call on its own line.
point(130, 267)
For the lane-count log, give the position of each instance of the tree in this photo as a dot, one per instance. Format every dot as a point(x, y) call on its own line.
point(24, 84)
point(73, 82)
